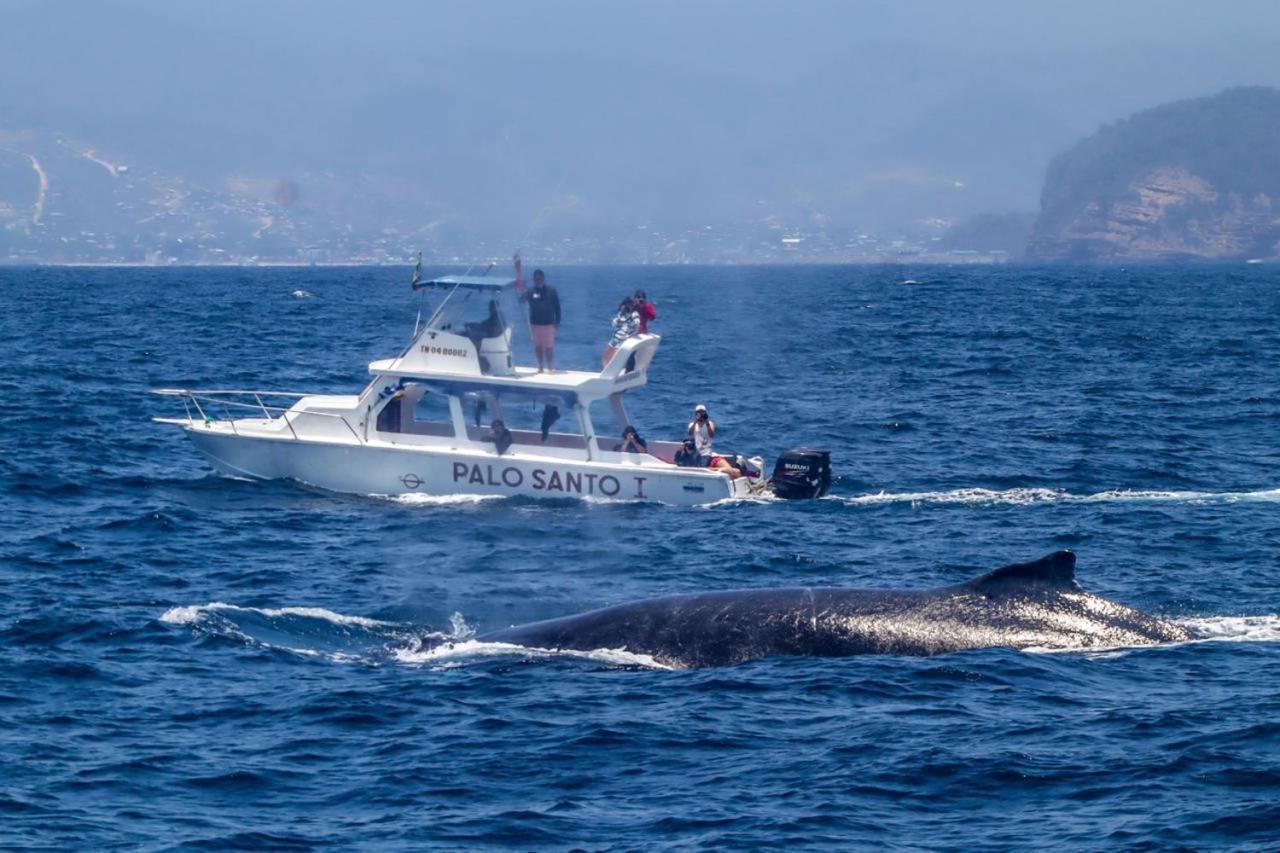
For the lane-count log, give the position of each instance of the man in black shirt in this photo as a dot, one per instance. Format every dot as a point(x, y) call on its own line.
point(544, 319)
point(500, 436)
point(687, 456)
point(631, 442)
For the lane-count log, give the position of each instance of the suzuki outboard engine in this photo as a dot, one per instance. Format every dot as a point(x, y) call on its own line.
point(802, 473)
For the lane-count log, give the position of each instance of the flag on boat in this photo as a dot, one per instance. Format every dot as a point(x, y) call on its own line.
point(519, 272)
point(417, 274)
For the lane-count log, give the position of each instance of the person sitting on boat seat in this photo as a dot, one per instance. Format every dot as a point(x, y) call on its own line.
point(390, 417)
point(687, 456)
point(491, 327)
point(500, 436)
point(631, 442)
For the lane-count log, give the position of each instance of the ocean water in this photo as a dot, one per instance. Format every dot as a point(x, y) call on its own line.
point(192, 660)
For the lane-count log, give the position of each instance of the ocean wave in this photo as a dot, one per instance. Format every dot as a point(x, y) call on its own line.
point(190, 614)
point(277, 629)
point(1031, 496)
point(465, 651)
point(404, 643)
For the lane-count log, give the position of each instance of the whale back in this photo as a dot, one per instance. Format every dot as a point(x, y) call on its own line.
point(1055, 572)
point(699, 629)
point(1037, 604)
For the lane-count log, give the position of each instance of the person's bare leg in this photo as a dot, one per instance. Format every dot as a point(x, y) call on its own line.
point(538, 352)
point(609, 352)
point(551, 359)
point(722, 465)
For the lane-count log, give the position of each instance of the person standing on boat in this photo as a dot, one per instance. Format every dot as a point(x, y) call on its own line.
point(702, 429)
point(646, 311)
point(544, 319)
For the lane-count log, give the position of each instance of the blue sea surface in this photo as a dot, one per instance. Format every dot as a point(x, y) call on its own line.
point(187, 659)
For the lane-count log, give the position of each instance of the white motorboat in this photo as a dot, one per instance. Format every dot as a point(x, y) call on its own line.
point(419, 427)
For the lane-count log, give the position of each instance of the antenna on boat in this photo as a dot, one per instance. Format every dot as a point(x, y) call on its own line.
point(416, 284)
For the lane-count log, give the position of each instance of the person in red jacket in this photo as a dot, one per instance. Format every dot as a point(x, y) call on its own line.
point(646, 310)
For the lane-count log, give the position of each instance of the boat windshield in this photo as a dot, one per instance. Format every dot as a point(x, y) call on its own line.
point(475, 313)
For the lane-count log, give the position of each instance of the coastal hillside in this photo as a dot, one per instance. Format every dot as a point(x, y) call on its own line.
point(1193, 179)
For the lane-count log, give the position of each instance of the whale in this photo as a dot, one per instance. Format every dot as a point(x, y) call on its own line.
point(1037, 605)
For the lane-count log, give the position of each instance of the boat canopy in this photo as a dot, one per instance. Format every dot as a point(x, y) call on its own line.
point(423, 364)
point(469, 282)
point(564, 397)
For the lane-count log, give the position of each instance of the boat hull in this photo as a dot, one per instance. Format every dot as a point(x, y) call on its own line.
point(385, 469)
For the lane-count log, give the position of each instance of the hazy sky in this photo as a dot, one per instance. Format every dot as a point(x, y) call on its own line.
point(610, 114)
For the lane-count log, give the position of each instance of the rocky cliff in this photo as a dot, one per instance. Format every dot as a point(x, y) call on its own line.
point(1193, 179)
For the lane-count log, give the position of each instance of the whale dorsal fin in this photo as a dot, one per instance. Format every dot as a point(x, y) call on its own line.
point(1056, 571)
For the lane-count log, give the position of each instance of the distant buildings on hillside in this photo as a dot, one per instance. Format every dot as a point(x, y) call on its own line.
point(706, 244)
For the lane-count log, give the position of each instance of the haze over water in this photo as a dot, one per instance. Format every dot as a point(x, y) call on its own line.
point(654, 131)
point(191, 659)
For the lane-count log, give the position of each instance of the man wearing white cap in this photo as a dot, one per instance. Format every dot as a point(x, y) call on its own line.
point(702, 429)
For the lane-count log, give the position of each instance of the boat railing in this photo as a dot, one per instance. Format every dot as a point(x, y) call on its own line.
point(222, 398)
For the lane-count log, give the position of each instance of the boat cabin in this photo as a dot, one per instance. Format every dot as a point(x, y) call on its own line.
point(457, 377)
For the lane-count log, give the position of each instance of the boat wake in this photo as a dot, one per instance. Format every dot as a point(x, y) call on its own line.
point(441, 500)
point(952, 497)
point(1030, 496)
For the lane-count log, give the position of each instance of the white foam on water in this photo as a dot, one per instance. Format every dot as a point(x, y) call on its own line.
point(955, 496)
point(601, 500)
point(415, 499)
point(1204, 629)
point(1030, 496)
point(1091, 652)
point(1235, 629)
point(191, 614)
point(302, 294)
point(459, 629)
point(462, 651)
point(218, 618)
point(738, 500)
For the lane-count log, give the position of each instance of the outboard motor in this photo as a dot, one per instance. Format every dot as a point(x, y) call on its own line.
point(802, 473)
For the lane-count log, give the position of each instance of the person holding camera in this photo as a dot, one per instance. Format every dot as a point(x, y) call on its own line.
point(500, 436)
point(631, 442)
point(687, 455)
point(702, 429)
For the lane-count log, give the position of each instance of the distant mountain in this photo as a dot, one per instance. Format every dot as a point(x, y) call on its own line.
point(1197, 178)
point(62, 199)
